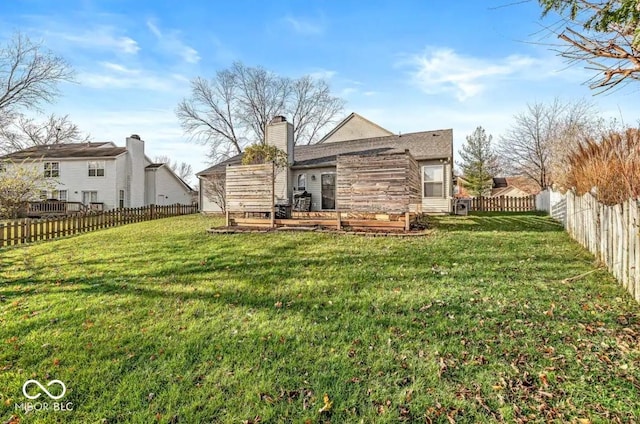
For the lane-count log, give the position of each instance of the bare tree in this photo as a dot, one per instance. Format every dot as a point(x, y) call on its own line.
point(541, 136)
point(605, 34)
point(181, 169)
point(213, 188)
point(312, 108)
point(233, 109)
point(23, 132)
point(20, 182)
point(29, 75)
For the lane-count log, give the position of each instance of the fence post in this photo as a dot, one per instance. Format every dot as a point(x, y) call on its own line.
point(26, 231)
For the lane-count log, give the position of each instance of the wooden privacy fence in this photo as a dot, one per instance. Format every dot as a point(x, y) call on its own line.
point(611, 233)
point(388, 183)
point(28, 230)
point(250, 188)
point(503, 204)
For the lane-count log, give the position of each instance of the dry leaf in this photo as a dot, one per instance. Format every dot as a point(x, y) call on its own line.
point(327, 404)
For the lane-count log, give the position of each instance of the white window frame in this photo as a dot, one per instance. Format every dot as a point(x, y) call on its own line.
point(63, 195)
point(298, 182)
point(121, 199)
point(93, 196)
point(52, 169)
point(95, 167)
point(441, 182)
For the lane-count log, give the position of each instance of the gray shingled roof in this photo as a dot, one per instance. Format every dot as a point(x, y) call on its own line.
point(154, 166)
point(68, 150)
point(422, 145)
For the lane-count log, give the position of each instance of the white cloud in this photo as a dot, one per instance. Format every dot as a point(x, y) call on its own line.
point(171, 42)
point(304, 26)
point(102, 38)
point(323, 74)
point(135, 80)
point(119, 68)
point(444, 70)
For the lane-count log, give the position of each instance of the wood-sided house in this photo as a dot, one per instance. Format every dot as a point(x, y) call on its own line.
point(316, 169)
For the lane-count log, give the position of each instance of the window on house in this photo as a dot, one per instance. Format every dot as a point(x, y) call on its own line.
point(302, 182)
point(51, 169)
point(121, 199)
point(62, 195)
point(433, 179)
point(89, 197)
point(43, 195)
point(96, 168)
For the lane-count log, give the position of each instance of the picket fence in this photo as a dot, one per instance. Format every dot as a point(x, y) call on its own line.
point(21, 231)
point(503, 204)
point(611, 233)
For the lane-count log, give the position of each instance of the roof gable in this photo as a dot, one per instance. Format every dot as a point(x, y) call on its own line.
point(354, 127)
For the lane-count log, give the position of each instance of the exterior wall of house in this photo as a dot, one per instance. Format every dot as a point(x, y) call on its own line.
point(135, 172)
point(206, 204)
point(356, 128)
point(74, 178)
point(168, 189)
point(121, 179)
point(149, 187)
point(438, 204)
point(313, 187)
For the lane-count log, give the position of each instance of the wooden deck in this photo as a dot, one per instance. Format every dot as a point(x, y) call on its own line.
point(58, 208)
point(332, 220)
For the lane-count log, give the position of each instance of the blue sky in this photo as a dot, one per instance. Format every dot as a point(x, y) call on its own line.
point(406, 65)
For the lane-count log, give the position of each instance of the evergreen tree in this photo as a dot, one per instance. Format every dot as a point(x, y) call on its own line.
point(479, 163)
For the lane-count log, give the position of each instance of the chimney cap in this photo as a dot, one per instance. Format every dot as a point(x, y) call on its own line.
point(136, 136)
point(278, 118)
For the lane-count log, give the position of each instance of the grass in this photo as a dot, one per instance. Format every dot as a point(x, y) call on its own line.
point(160, 322)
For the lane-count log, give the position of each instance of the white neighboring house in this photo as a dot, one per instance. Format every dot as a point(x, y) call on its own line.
point(116, 177)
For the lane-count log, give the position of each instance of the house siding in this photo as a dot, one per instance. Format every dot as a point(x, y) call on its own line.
point(313, 187)
point(356, 128)
point(121, 179)
point(168, 189)
point(74, 179)
point(437, 204)
point(206, 204)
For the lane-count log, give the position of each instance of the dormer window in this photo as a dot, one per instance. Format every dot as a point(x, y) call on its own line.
point(302, 182)
point(51, 169)
point(96, 168)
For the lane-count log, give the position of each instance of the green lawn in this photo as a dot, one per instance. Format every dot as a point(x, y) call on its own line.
point(161, 322)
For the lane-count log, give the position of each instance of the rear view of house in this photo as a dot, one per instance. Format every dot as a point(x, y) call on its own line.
point(313, 169)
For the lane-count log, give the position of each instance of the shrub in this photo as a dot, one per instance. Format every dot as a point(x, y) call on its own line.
point(609, 168)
